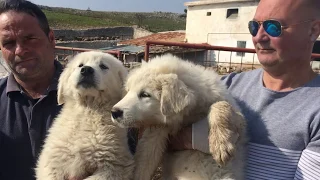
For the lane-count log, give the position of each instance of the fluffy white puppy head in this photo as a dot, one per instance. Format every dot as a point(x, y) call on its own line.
point(153, 95)
point(92, 77)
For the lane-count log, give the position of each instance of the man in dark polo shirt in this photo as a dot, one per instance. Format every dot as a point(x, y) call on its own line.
point(28, 96)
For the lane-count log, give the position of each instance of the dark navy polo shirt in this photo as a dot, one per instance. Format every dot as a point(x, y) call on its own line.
point(24, 123)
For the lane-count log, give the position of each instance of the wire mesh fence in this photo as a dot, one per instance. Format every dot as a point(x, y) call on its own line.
point(222, 59)
point(64, 54)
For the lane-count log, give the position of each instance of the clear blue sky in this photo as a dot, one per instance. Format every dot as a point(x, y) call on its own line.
point(119, 5)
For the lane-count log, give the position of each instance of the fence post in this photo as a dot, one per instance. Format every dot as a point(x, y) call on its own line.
point(146, 52)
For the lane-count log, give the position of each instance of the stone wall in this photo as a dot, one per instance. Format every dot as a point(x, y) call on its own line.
point(112, 33)
point(97, 38)
point(89, 44)
point(140, 32)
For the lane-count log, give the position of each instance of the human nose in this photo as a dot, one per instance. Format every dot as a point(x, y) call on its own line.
point(261, 35)
point(20, 49)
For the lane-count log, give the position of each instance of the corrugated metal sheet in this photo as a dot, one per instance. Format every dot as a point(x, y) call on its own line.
point(126, 48)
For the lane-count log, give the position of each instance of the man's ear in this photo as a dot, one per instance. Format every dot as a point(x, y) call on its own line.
point(51, 38)
point(315, 31)
point(175, 95)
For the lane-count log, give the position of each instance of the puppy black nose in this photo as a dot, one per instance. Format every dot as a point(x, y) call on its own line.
point(86, 70)
point(116, 113)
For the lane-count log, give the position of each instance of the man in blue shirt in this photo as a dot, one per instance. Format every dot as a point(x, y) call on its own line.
point(28, 95)
point(281, 100)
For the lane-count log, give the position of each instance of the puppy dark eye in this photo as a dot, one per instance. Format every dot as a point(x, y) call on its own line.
point(102, 66)
point(80, 65)
point(144, 95)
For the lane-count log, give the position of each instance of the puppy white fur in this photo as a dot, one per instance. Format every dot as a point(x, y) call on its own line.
point(168, 93)
point(83, 142)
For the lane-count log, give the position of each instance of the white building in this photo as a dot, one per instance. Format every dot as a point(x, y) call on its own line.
point(222, 23)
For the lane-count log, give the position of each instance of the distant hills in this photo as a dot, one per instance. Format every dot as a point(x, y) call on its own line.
point(67, 18)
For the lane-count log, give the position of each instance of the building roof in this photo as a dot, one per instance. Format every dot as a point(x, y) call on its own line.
point(126, 48)
point(171, 36)
point(136, 46)
point(206, 2)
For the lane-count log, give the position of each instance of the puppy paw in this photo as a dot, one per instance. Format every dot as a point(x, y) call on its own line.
point(222, 150)
point(224, 131)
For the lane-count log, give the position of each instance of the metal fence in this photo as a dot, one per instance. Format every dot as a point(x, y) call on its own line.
point(63, 54)
point(219, 58)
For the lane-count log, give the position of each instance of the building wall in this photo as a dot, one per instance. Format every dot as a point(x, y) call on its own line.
point(3, 68)
point(217, 29)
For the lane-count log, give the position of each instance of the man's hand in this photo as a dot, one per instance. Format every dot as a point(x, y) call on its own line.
point(182, 141)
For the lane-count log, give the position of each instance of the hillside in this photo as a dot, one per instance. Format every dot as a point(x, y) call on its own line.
point(66, 18)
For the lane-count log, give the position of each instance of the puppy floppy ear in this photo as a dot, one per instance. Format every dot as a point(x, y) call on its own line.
point(62, 80)
point(123, 75)
point(175, 95)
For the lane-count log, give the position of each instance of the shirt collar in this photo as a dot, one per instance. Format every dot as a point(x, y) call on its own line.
point(54, 83)
point(13, 86)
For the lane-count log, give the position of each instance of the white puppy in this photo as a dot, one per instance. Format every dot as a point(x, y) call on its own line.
point(168, 93)
point(83, 143)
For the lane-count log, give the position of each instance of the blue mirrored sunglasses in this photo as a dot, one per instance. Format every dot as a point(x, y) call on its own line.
point(272, 27)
